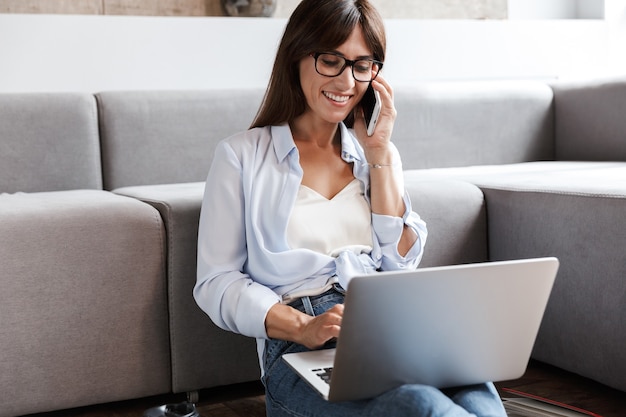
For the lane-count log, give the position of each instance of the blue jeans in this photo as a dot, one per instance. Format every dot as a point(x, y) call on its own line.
point(288, 395)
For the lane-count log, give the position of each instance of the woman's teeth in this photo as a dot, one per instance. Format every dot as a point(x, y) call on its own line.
point(334, 97)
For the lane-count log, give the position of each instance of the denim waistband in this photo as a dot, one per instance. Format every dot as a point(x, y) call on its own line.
point(307, 303)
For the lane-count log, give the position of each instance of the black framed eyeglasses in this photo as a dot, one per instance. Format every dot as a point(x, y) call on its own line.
point(330, 64)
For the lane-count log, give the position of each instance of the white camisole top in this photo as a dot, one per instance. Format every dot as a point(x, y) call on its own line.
point(331, 226)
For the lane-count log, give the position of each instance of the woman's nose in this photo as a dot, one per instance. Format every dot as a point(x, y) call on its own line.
point(346, 79)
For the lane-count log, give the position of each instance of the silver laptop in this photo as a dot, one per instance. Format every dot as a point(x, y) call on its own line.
point(443, 326)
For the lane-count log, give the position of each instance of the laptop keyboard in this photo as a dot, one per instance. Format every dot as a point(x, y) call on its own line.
point(324, 373)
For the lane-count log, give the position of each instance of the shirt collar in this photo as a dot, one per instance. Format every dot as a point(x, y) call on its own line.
point(350, 148)
point(284, 143)
point(282, 140)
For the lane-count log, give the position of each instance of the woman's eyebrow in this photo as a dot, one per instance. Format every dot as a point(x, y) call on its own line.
point(355, 59)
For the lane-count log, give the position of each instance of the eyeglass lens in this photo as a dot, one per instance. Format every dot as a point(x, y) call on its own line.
point(332, 65)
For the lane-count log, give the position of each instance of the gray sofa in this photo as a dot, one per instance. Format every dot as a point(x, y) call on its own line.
point(100, 197)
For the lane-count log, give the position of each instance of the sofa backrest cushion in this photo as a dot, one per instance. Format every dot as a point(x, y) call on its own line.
point(450, 124)
point(48, 142)
point(163, 137)
point(590, 120)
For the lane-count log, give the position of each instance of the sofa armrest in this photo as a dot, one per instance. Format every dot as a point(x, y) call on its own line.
point(83, 313)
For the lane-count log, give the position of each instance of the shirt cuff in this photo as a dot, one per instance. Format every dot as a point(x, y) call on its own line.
point(252, 307)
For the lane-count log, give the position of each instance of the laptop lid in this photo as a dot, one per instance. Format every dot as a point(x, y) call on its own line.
point(443, 326)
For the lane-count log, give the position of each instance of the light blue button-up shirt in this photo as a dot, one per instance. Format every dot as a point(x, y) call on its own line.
point(245, 264)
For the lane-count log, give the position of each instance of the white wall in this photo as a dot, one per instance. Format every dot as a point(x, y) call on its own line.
point(459, 50)
point(95, 53)
point(556, 9)
point(615, 11)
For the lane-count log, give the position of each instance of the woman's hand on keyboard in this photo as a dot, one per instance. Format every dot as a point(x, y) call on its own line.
point(286, 323)
point(322, 328)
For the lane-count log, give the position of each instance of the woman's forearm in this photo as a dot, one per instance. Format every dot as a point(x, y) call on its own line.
point(387, 191)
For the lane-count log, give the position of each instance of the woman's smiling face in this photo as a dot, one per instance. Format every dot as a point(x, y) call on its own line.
point(331, 99)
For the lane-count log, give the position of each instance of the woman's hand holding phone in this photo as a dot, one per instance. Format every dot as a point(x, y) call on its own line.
point(370, 103)
point(375, 142)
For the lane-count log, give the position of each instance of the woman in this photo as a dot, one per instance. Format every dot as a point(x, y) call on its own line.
point(298, 204)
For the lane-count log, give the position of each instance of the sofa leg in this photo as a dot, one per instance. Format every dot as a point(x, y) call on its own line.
point(193, 396)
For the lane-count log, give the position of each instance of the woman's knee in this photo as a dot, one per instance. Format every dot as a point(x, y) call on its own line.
point(413, 399)
point(481, 399)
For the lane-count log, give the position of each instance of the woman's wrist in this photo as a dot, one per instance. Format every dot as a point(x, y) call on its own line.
point(285, 323)
point(380, 166)
point(380, 157)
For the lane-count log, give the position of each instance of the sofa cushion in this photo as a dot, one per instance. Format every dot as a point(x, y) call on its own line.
point(83, 313)
point(455, 214)
point(49, 142)
point(163, 137)
point(474, 123)
point(561, 176)
point(590, 122)
point(587, 233)
point(203, 355)
point(573, 211)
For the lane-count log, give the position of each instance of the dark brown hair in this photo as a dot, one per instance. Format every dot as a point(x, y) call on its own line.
point(315, 25)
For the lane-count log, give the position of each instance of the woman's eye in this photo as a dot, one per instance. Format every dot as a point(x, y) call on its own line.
point(331, 61)
point(362, 67)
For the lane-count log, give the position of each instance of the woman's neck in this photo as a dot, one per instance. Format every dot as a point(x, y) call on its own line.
point(322, 133)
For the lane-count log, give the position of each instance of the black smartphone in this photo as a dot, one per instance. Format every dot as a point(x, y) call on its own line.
point(371, 108)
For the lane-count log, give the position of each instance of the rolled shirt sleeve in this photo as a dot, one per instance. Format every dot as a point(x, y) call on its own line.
point(388, 230)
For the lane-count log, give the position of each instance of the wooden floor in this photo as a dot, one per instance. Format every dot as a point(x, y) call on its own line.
point(247, 400)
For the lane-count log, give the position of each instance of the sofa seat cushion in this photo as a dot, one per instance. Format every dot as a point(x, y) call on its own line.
point(203, 355)
point(83, 313)
point(587, 232)
point(574, 211)
point(577, 177)
point(456, 217)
